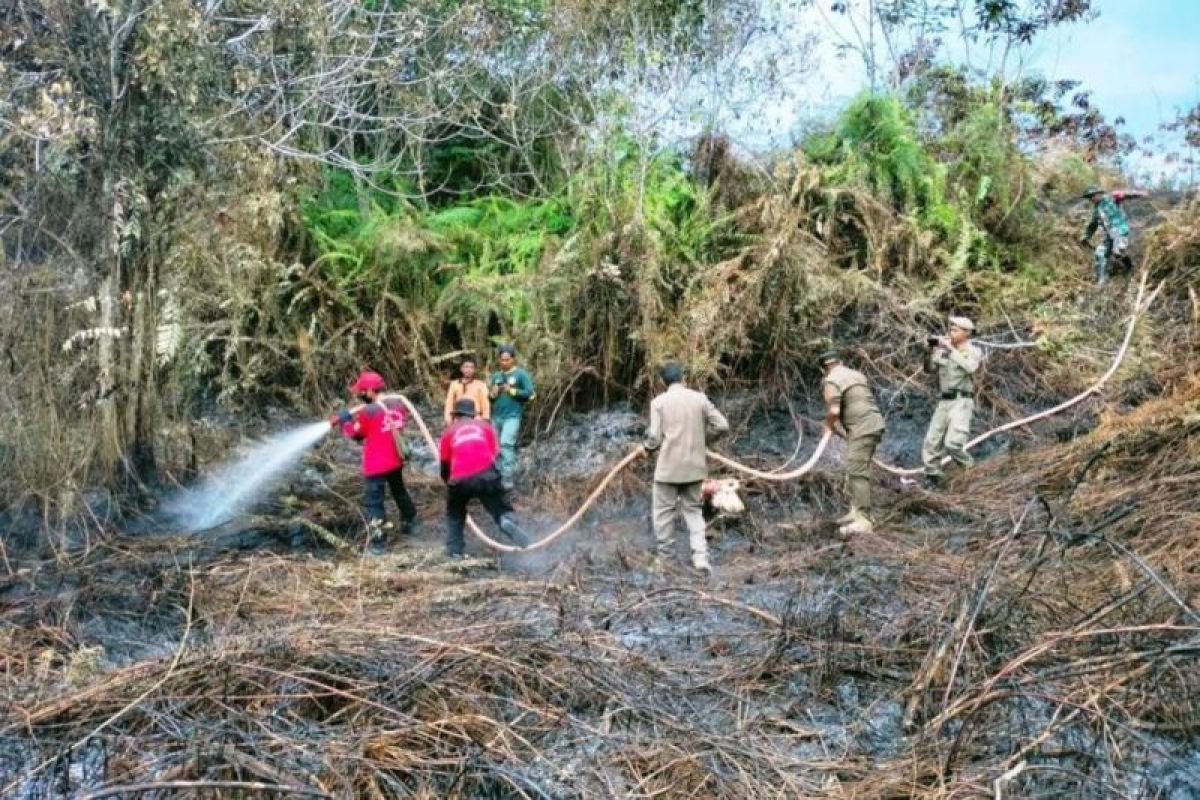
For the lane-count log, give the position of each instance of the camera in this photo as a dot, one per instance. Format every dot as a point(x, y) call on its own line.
point(931, 341)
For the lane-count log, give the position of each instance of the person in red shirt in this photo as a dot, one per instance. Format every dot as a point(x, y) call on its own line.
point(468, 452)
point(378, 424)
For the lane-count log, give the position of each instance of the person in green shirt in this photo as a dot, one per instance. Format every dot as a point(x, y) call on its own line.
point(1108, 212)
point(510, 388)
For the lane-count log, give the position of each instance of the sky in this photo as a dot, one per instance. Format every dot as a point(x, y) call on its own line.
point(1139, 58)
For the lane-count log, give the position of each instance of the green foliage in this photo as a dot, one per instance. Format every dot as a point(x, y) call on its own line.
point(597, 273)
point(875, 142)
point(947, 157)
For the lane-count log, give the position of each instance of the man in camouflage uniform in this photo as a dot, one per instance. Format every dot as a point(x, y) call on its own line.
point(955, 360)
point(1108, 212)
point(848, 399)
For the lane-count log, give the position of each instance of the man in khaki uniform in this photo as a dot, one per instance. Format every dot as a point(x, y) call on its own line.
point(955, 360)
point(848, 400)
point(681, 422)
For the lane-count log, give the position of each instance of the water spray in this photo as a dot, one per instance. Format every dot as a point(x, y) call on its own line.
point(237, 486)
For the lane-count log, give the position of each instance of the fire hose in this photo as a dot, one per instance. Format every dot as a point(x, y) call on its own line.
point(1141, 304)
point(545, 541)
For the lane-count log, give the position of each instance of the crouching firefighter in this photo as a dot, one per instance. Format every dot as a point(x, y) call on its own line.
point(379, 424)
point(468, 452)
point(848, 400)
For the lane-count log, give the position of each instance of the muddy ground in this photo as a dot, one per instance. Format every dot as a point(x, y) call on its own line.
point(795, 670)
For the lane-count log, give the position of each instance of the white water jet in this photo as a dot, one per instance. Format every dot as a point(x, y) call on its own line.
point(238, 485)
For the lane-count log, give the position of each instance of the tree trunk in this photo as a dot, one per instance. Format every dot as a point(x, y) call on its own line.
point(141, 404)
point(112, 439)
point(128, 312)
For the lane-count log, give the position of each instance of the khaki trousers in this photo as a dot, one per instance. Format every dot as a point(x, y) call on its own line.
point(948, 433)
point(859, 452)
point(686, 499)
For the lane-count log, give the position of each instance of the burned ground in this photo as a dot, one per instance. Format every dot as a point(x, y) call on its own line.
point(1032, 631)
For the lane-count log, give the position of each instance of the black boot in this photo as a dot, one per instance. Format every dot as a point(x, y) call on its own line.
point(510, 527)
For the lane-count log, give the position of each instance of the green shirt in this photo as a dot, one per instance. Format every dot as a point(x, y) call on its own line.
point(509, 405)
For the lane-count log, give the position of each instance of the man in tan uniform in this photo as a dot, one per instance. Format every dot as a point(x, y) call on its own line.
point(681, 422)
point(848, 400)
point(955, 360)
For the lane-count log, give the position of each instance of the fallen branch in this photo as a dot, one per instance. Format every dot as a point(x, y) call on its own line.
point(239, 786)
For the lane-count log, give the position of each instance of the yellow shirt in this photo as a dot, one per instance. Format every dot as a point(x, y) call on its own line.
point(475, 390)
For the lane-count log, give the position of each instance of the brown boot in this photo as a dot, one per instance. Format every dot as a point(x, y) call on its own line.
point(860, 524)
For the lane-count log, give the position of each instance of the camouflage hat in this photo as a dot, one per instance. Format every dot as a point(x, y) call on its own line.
point(962, 322)
point(832, 354)
point(1091, 190)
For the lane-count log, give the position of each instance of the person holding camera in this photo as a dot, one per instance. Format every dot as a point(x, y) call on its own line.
point(849, 400)
point(511, 388)
point(955, 360)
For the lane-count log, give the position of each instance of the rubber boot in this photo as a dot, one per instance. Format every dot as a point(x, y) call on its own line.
point(700, 562)
point(513, 530)
point(375, 536)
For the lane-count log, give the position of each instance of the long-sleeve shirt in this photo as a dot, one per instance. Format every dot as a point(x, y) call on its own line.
point(473, 389)
point(376, 425)
point(955, 367)
point(468, 447)
point(512, 390)
point(681, 422)
point(1109, 213)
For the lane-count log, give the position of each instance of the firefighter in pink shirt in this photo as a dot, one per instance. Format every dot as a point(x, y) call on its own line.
point(468, 452)
point(378, 424)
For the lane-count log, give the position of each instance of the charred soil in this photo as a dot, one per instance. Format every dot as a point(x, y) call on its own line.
point(1031, 631)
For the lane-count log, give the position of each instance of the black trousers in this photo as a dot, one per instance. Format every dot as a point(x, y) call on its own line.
point(486, 488)
point(374, 494)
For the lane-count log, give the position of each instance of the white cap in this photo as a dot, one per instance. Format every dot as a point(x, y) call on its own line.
point(962, 322)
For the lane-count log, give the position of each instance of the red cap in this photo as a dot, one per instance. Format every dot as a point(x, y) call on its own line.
point(367, 381)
